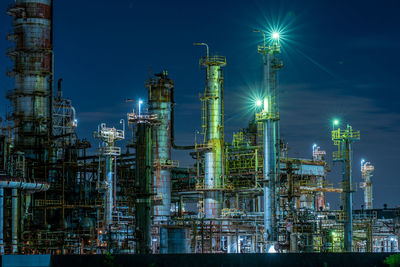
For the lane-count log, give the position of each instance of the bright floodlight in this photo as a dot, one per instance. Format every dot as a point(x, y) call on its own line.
point(275, 35)
point(335, 122)
point(140, 104)
point(258, 102)
point(272, 249)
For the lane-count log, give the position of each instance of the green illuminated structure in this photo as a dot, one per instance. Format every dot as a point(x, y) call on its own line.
point(343, 139)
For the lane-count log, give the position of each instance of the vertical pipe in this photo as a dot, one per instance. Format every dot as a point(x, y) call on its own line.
point(214, 138)
point(1, 221)
point(143, 185)
point(14, 221)
point(268, 155)
point(270, 118)
point(160, 103)
point(108, 200)
point(348, 201)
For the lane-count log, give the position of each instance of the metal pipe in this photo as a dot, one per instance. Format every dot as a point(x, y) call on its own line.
point(270, 118)
point(214, 139)
point(161, 104)
point(1, 221)
point(143, 184)
point(348, 201)
point(108, 200)
point(267, 185)
point(31, 186)
point(14, 221)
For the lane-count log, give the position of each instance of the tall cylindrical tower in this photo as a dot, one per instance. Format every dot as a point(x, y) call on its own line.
point(33, 73)
point(214, 139)
point(344, 140)
point(160, 104)
point(269, 116)
point(143, 177)
point(366, 173)
point(109, 136)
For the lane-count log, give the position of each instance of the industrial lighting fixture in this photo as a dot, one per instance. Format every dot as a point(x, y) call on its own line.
point(272, 249)
point(314, 146)
point(275, 36)
point(140, 103)
point(335, 122)
point(259, 102)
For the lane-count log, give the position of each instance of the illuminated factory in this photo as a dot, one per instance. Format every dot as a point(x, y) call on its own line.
point(58, 196)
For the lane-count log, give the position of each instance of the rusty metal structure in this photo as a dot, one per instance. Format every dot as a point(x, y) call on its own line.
point(242, 193)
point(33, 74)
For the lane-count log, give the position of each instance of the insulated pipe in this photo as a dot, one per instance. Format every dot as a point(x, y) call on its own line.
point(15, 185)
point(214, 138)
point(348, 197)
point(14, 221)
point(1, 221)
point(108, 200)
point(34, 186)
point(269, 159)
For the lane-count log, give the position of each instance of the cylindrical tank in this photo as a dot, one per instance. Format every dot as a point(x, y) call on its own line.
point(174, 240)
point(160, 90)
point(213, 173)
point(33, 73)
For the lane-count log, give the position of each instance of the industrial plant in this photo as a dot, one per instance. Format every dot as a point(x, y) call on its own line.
point(126, 194)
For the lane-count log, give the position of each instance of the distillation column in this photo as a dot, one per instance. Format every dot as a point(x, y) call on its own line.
point(366, 174)
point(343, 139)
point(109, 136)
point(33, 74)
point(270, 118)
point(214, 139)
point(160, 104)
point(143, 178)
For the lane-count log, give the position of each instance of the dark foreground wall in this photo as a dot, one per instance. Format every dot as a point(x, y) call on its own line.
point(194, 260)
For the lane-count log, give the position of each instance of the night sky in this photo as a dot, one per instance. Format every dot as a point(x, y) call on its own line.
point(341, 61)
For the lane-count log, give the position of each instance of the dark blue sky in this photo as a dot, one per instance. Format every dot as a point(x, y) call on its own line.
point(341, 60)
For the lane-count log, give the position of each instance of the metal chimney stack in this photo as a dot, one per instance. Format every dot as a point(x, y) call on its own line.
point(33, 74)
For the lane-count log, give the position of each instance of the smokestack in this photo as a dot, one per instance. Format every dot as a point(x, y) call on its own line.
point(33, 74)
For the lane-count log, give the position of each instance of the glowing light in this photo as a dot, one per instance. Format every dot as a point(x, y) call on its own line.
point(140, 104)
point(259, 102)
point(272, 249)
point(314, 145)
point(275, 35)
point(336, 122)
point(266, 107)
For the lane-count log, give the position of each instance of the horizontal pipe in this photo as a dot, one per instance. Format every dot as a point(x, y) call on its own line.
point(21, 184)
